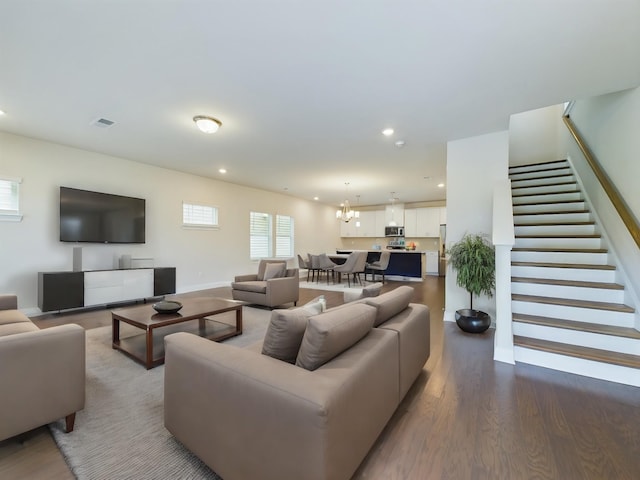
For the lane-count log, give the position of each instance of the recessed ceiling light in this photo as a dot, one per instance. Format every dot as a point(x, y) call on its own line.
point(440, 185)
point(387, 132)
point(207, 124)
point(399, 143)
point(316, 198)
point(2, 113)
point(222, 170)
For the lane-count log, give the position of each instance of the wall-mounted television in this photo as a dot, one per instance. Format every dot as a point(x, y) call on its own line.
point(100, 217)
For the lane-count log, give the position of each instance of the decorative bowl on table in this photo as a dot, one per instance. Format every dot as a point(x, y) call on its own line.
point(167, 306)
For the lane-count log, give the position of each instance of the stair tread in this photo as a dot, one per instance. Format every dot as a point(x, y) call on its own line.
point(568, 302)
point(580, 200)
point(569, 283)
point(605, 356)
point(560, 250)
point(584, 266)
point(624, 332)
point(554, 224)
point(551, 212)
point(562, 192)
point(539, 177)
point(541, 164)
point(560, 235)
point(546, 185)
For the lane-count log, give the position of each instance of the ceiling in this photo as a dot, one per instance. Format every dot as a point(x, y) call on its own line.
point(303, 88)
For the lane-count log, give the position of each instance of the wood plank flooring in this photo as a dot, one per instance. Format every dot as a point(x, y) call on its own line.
point(466, 417)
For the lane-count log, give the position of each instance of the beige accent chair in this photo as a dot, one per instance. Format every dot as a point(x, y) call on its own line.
point(272, 286)
point(42, 372)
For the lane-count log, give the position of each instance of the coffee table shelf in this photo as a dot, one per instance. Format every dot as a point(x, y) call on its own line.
point(148, 347)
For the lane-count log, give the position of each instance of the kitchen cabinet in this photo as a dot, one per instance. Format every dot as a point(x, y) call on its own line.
point(443, 215)
point(371, 224)
point(432, 262)
point(411, 222)
point(395, 214)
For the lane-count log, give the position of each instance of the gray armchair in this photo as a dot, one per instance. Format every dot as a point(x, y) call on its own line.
point(42, 372)
point(272, 286)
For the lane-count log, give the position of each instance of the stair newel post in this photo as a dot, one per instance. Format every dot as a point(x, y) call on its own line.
point(503, 241)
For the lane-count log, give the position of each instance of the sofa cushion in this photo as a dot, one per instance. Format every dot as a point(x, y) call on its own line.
point(274, 270)
point(20, 327)
point(391, 303)
point(12, 316)
point(286, 329)
point(330, 333)
point(257, 286)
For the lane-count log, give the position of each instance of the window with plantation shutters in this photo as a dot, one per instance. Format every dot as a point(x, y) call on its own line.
point(284, 236)
point(200, 216)
point(260, 235)
point(10, 199)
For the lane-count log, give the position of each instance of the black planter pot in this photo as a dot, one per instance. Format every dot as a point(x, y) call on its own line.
point(472, 321)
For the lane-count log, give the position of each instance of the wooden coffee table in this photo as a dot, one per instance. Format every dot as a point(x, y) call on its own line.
point(148, 348)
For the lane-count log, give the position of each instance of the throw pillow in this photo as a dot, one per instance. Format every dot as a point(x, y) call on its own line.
point(372, 290)
point(331, 333)
point(286, 329)
point(391, 303)
point(274, 270)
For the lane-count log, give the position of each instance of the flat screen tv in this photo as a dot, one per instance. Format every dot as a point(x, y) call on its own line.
point(100, 217)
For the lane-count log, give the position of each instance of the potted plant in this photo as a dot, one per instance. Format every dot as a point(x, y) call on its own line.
point(473, 258)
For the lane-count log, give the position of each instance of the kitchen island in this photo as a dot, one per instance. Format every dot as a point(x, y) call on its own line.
point(405, 265)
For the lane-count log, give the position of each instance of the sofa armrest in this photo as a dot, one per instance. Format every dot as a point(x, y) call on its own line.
point(8, 302)
point(42, 374)
point(246, 278)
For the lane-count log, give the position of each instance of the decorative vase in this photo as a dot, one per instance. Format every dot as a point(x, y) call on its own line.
point(472, 321)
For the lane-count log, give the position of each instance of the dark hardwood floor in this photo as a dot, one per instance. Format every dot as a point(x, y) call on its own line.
point(466, 417)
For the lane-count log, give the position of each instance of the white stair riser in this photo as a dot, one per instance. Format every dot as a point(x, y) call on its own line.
point(555, 230)
point(578, 314)
point(546, 189)
point(556, 197)
point(563, 217)
point(533, 182)
point(550, 207)
point(565, 291)
point(575, 274)
point(555, 242)
point(612, 343)
point(560, 257)
point(536, 167)
point(587, 368)
point(515, 176)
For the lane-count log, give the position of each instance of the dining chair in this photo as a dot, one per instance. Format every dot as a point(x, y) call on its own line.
point(378, 267)
point(354, 266)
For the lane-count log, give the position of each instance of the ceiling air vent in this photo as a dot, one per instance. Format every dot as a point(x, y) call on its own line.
point(102, 123)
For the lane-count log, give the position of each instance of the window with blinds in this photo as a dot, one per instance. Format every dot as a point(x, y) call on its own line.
point(260, 235)
point(284, 236)
point(202, 216)
point(10, 199)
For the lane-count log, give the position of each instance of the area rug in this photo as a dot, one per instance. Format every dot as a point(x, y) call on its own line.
point(120, 433)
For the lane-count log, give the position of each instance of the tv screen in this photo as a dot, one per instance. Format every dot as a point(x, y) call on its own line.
point(100, 217)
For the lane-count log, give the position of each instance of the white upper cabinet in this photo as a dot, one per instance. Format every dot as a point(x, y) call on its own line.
point(371, 223)
point(424, 221)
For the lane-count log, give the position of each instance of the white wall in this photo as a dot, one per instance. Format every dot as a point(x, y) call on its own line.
point(609, 125)
point(474, 166)
point(534, 136)
point(203, 258)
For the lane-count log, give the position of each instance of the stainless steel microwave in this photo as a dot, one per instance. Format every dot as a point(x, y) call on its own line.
point(394, 231)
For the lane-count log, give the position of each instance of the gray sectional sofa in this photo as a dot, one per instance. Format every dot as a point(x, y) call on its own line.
point(42, 372)
point(251, 413)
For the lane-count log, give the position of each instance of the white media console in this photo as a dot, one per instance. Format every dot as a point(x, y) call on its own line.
point(65, 290)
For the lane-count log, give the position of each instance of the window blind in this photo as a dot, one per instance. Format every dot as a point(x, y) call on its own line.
point(199, 215)
point(260, 235)
point(284, 236)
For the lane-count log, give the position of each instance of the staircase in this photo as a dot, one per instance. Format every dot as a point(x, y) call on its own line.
point(568, 311)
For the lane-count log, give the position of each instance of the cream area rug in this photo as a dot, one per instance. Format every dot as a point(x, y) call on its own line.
point(120, 433)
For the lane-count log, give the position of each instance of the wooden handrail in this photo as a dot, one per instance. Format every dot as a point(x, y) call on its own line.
point(612, 192)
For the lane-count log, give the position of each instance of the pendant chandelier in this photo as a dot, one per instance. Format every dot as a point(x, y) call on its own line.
point(346, 213)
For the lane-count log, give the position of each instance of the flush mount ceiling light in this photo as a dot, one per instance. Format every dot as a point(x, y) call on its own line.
point(207, 124)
